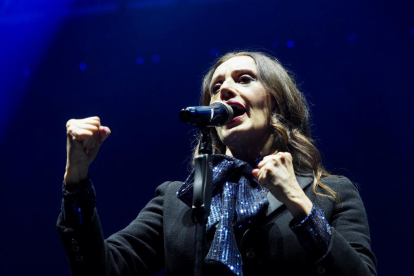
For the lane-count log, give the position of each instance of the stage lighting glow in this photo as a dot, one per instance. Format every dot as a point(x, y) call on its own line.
point(26, 72)
point(140, 60)
point(82, 66)
point(156, 58)
point(290, 44)
point(214, 52)
point(412, 31)
point(275, 45)
point(352, 37)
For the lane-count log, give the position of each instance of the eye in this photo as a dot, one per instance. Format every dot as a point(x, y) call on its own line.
point(246, 79)
point(215, 88)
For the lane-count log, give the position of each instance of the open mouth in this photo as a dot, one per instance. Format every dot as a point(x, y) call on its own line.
point(238, 108)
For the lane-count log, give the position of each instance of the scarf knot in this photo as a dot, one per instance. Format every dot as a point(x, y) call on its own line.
point(237, 199)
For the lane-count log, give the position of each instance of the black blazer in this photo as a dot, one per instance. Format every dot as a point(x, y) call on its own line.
point(163, 236)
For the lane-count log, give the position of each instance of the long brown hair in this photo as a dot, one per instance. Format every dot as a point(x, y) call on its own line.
point(290, 118)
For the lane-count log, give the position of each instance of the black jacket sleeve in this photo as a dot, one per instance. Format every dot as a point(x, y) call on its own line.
point(136, 250)
point(349, 252)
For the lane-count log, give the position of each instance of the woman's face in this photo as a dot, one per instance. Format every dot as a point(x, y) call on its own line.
point(235, 82)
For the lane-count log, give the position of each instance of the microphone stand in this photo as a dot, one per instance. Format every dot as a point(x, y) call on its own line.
point(202, 192)
point(217, 114)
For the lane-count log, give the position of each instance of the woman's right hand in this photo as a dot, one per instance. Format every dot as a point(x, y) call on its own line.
point(84, 137)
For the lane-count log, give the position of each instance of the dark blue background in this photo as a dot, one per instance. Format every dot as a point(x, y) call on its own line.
point(354, 61)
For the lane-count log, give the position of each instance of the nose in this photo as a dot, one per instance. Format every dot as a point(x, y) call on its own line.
point(227, 90)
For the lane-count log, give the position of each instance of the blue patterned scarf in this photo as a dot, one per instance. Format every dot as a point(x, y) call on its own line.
point(237, 199)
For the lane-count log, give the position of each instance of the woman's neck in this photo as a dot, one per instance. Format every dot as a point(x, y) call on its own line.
point(255, 150)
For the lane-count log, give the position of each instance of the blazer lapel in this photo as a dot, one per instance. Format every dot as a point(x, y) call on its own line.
point(304, 181)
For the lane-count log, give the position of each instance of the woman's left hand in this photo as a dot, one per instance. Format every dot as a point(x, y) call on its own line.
point(275, 172)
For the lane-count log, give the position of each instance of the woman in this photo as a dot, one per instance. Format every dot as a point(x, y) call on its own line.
point(275, 210)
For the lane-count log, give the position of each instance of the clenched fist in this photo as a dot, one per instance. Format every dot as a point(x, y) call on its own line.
point(84, 137)
point(276, 173)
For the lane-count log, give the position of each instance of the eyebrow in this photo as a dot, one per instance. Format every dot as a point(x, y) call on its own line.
point(235, 72)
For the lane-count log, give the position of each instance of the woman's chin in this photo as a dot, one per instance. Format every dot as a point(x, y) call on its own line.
point(243, 135)
point(235, 136)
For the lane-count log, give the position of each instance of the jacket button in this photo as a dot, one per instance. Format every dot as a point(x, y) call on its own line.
point(321, 270)
point(250, 253)
point(75, 248)
point(74, 242)
point(79, 258)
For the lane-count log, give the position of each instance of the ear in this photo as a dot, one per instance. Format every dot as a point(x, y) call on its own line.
point(274, 104)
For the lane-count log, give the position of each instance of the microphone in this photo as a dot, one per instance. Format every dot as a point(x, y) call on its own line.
point(216, 114)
